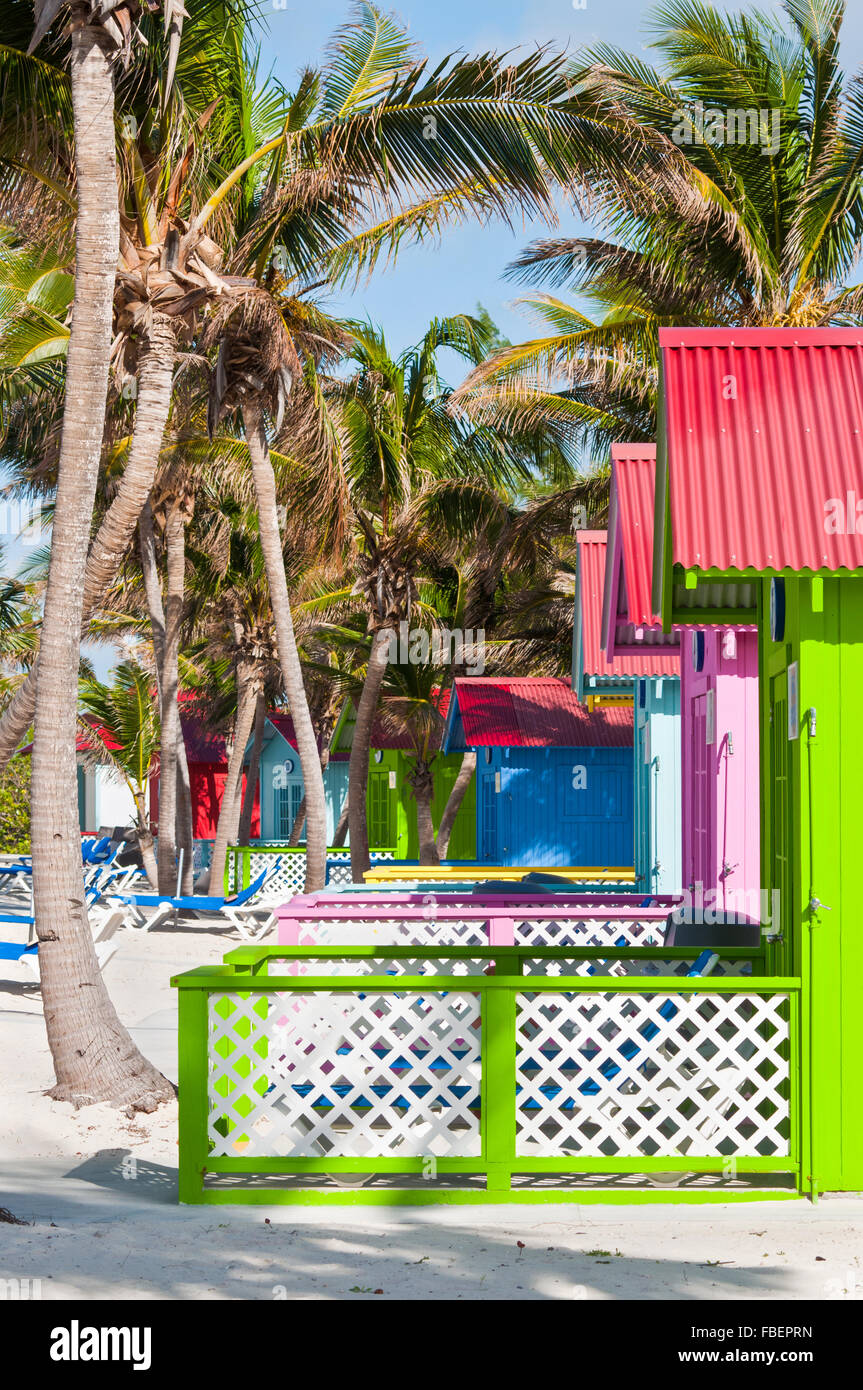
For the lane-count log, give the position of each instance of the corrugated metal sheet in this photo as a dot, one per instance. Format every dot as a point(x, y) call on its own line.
point(591, 583)
point(633, 468)
point(764, 428)
point(202, 745)
point(536, 712)
point(717, 594)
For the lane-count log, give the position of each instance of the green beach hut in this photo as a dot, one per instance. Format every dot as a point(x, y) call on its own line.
point(390, 804)
point(759, 518)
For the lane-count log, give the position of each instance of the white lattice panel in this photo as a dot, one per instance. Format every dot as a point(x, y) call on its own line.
point(597, 1080)
point(651, 966)
point(304, 1076)
point(291, 877)
point(382, 931)
point(590, 931)
point(379, 965)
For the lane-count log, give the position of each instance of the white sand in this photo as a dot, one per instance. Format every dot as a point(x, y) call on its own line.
point(102, 1227)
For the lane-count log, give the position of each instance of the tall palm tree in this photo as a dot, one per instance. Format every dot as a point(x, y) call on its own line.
point(406, 477)
point(769, 235)
point(412, 697)
point(233, 629)
point(81, 1021)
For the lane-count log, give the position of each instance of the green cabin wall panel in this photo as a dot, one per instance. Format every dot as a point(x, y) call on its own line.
point(389, 764)
point(812, 838)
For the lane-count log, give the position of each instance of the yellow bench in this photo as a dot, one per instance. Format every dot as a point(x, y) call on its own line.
point(476, 873)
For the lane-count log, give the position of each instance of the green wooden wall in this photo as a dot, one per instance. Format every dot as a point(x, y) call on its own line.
point(392, 810)
point(812, 848)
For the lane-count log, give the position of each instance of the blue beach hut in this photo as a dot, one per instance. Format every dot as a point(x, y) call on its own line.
point(553, 779)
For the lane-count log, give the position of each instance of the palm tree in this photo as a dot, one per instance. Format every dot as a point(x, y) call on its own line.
point(232, 623)
point(769, 234)
point(121, 725)
point(411, 705)
point(81, 1022)
point(406, 480)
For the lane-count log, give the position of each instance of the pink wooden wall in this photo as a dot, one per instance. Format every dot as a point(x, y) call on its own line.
point(721, 819)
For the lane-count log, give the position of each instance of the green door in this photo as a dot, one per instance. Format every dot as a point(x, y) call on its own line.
point(781, 821)
point(382, 834)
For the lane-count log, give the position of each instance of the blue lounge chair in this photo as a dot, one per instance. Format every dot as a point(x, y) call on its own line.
point(104, 926)
point(165, 905)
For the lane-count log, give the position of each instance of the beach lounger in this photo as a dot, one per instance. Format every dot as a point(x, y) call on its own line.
point(239, 911)
point(104, 928)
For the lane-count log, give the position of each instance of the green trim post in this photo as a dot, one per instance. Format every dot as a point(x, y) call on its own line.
point(192, 1045)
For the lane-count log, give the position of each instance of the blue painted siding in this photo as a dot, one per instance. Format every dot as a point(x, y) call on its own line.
point(658, 825)
point(556, 806)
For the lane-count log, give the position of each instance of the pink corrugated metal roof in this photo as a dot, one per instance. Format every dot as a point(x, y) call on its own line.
point(536, 712)
point(764, 427)
point(591, 565)
point(634, 470)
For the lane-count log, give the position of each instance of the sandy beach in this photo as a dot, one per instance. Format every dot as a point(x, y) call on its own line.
point(97, 1193)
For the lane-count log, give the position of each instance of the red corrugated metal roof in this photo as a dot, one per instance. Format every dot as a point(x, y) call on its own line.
point(536, 712)
point(83, 744)
point(764, 427)
point(284, 724)
point(202, 744)
point(591, 564)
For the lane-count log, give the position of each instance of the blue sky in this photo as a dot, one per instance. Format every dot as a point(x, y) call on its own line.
point(467, 266)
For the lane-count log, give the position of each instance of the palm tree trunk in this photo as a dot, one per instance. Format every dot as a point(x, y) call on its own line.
point(111, 542)
point(229, 811)
point(94, 1057)
point(153, 591)
point(175, 555)
point(454, 801)
point(145, 841)
point(289, 658)
point(297, 827)
point(300, 817)
point(358, 768)
point(341, 829)
point(245, 831)
point(421, 780)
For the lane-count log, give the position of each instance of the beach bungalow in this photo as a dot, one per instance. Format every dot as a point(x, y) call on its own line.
point(281, 782)
point(554, 779)
point(718, 729)
point(643, 667)
point(207, 756)
point(105, 800)
point(759, 519)
point(390, 804)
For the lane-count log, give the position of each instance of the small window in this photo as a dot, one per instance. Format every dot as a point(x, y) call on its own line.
point(287, 805)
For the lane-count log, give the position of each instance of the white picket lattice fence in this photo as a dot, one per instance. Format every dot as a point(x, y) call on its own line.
point(291, 877)
point(356, 1076)
point(597, 1075)
point(426, 928)
point(641, 1075)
